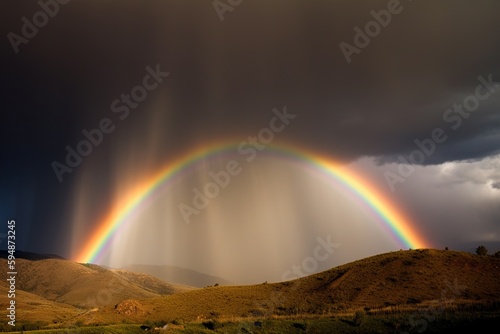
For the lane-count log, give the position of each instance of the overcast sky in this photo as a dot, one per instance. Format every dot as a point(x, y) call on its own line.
point(380, 85)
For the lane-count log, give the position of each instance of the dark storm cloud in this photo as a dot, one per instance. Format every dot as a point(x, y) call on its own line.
point(227, 76)
point(464, 139)
point(264, 55)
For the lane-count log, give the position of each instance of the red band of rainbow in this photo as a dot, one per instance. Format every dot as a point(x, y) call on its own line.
point(393, 220)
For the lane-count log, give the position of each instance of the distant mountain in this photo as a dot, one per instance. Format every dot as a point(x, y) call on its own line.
point(30, 256)
point(152, 283)
point(178, 275)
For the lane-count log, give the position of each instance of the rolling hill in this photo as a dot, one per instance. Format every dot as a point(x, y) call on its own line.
point(83, 285)
point(403, 280)
point(57, 292)
point(152, 283)
point(177, 275)
point(36, 308)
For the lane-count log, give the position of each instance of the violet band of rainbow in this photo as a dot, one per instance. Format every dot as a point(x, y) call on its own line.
point(392, 220)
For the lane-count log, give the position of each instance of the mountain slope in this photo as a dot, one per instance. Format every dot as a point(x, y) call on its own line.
point(82, 285)
point(397, 280)
point(152, 283)
point(178, 275)
point(33, 308)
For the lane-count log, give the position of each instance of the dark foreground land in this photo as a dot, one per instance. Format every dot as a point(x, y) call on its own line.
point(421, 321)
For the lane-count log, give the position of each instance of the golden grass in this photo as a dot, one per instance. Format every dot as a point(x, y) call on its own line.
point(390, 283)
point(406, 279)
point(82, 285)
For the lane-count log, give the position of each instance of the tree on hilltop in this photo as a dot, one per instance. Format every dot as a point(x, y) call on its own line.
point(481, 250)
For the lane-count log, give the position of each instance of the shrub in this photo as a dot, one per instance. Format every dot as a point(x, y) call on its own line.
point(257, 312)
point(30, 326)
point(412, 300)
point(481, 250)
point(300, 325)
point(359, 318)
point(393, 279)
point(212, 324)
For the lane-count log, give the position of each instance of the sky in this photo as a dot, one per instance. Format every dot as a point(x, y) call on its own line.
point(404, 93)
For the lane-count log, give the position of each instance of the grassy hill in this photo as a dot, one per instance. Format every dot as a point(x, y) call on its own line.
point(35, 309)
point(152, 283)
point(84, 286)
point(392, 282)
point(389, 289)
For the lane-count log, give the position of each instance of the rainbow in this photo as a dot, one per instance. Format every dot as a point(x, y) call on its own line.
point(393, 220)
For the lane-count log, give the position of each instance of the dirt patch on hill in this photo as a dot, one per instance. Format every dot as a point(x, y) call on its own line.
point(130, 307)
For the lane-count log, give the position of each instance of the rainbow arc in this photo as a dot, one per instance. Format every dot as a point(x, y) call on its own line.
point(392, 219)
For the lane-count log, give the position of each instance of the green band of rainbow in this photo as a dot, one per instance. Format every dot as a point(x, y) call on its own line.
point(399, 226)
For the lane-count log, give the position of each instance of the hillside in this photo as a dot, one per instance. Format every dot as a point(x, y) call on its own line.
point(152, 283)
point(178, 275)
point(382, 283)
point(67, 294)
point(84, 286)
point(35, 308)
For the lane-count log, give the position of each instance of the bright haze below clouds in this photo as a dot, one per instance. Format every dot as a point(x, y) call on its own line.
point(403, 88)
point(257, 228)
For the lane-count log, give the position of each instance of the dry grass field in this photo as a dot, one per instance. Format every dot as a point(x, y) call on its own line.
point(403, 289)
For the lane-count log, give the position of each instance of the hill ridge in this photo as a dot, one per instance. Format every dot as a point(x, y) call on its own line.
point(399, 280)
point(405, 280)
point(178, 275)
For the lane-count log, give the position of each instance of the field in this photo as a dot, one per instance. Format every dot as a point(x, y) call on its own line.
point(423, 320)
